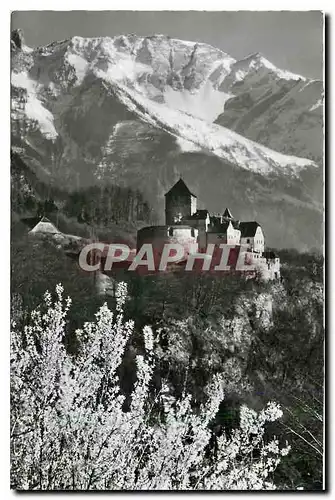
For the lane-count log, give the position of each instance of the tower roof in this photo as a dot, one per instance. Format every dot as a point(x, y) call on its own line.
point(227, 214)
point(180, 188)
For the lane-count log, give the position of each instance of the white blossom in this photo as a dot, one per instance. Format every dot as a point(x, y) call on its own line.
point(70, 431)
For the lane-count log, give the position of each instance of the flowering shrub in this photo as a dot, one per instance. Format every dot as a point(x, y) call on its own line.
point(69, 428)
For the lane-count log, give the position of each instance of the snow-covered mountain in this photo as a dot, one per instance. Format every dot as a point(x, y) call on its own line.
point(140, 110)
point(273, 107)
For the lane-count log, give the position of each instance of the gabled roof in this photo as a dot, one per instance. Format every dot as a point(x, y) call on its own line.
point(227, 214)
point(219, 227)
point(248, 229)
point(180, 188)
point(45, 226)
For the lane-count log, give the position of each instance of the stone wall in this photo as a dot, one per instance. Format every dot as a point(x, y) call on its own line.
point(179, 206)
point(158, 236)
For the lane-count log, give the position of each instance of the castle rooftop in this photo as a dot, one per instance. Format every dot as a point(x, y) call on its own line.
point(248, 229)
point(180, 188)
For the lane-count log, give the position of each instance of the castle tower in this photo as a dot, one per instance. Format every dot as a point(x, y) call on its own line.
point(179, 203)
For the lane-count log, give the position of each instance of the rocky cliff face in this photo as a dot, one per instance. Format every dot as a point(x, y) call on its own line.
point(139, 111)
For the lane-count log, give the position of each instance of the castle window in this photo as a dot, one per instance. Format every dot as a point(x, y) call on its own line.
point(170, 231)
point(192, 232)
point(248, 240)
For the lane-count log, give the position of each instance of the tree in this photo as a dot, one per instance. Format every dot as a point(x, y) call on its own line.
point(37, 264)
point(69, 429)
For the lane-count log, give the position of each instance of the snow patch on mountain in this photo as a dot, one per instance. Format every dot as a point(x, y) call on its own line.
point(316, 105)
point(127, 69)
point(184, 75)
point(286, 75)
point(206, 101)
point(217, 140)
point(27, 49)
point(256, 62)
point(33, 107)
point(187, 146)
point(79, 64)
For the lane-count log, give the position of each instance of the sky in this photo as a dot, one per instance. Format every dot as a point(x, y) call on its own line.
point(290, 40)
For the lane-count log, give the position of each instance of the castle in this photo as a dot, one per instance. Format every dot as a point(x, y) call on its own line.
point(186, 225)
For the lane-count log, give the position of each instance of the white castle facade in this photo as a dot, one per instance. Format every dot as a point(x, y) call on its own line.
point(186, 225)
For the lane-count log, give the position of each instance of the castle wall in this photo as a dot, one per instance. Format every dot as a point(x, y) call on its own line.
point(193, 205)
point(233, 235)
point(274, 268)
point(202, 239)
point(217, 238)
point(269, 269)
point(256, 243)
point(201, 225)
point(158, 236)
